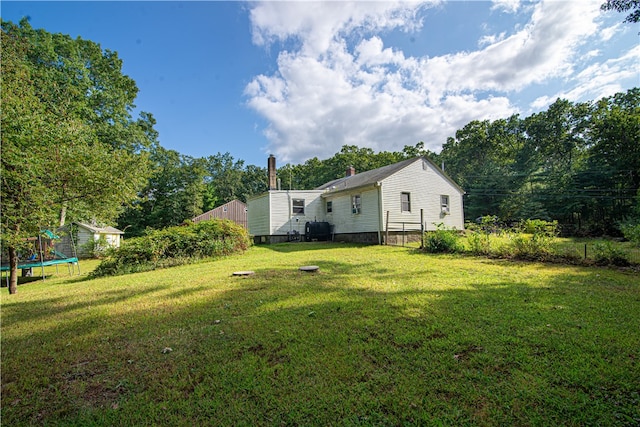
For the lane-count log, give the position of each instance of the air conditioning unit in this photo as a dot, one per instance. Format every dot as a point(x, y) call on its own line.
point(445, 210)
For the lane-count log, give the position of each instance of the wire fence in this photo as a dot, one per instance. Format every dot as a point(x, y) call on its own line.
point(600, 251)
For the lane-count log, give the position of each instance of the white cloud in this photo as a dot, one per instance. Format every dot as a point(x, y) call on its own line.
point(598, 80)
point(317, 23)
point(341, 85)
point(508, 6)
point(491, 39)
point(609, 32)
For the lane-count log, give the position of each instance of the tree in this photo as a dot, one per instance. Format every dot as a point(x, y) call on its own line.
point(611, 177)
point(624, 6)
point(69, 145)
point(173, 194)
point(224, 179)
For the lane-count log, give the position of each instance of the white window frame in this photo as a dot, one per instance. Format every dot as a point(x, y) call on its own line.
point(444, 204)
point(329, 206)
point(356, 204)
point(296, 209)
point(405, 206)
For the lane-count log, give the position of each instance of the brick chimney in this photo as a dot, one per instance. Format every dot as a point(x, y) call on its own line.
point(271, 169)
point(351, 171)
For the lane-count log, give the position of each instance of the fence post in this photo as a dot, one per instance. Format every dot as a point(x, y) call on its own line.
point(422, 229)
point(386, 236)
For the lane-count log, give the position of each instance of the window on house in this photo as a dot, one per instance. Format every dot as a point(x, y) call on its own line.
point(405, 202)
point(329, 206)
point(298, 207)
point(356, 204)
point(444, 204)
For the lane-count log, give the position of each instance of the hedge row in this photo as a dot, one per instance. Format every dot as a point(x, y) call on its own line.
point(175, 246)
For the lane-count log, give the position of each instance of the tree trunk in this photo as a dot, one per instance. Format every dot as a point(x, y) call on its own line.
point(63, 215)
point(13, 265)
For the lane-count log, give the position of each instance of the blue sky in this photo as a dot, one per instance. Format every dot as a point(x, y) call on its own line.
point(301, 79)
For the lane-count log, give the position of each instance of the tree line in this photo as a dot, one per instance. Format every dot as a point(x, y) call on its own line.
point(577, 163)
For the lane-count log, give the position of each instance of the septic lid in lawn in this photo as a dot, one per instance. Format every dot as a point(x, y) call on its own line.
point(243, 273)
point(309, 268)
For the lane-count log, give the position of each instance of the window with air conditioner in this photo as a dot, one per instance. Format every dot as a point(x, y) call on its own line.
point(444, 204)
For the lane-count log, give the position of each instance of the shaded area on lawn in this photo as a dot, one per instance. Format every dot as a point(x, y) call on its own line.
point(383, 338)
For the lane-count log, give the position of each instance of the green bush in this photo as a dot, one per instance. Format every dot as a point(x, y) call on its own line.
point(631, 232)
point(479, 243)
point(175, 246)
point(607, 254)
point(539, 227)
point(442, 240)
point(532, 239)
point(97, 248)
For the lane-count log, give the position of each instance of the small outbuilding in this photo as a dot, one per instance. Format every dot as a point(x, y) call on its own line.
point(86, 237)
point(234, 210)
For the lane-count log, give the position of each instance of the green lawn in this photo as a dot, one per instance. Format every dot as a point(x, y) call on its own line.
point(380, 336)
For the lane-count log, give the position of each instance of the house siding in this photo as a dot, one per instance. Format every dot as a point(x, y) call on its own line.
point(84, 237)
point(271, 213)
point(258, 215)
point(425, 184)
point(345, 221)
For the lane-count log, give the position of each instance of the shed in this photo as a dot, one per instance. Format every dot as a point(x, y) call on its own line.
point(234, 210)
point(86, 236)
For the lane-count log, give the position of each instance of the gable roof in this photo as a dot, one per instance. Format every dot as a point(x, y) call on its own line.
point(365, 178)
point(100, 230)
point(237, 207)
point(373, 176)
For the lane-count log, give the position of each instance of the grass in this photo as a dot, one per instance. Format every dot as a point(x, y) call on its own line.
point(380, 336)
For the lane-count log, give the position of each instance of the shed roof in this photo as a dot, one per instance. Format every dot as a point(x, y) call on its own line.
point(100, 230)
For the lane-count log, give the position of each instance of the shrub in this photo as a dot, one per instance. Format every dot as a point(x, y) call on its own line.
point(442, 240)
point(479, 243)
point(175, 246)
point(532, 239)
point(539, 227)
point(97, 248)
point(607, 254)
point(631, 232)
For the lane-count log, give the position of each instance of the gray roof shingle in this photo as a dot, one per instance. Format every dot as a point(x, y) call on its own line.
point(365, 178)
point(373, 176)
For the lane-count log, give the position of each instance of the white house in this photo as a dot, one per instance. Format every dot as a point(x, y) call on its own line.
point(374, 206)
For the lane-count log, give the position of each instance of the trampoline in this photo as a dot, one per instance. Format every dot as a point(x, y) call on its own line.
point(43, 254)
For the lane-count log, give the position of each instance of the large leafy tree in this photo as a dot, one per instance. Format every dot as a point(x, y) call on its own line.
point(481, 158)
point(173, 193)
point(611, 177)
point(70, 147)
